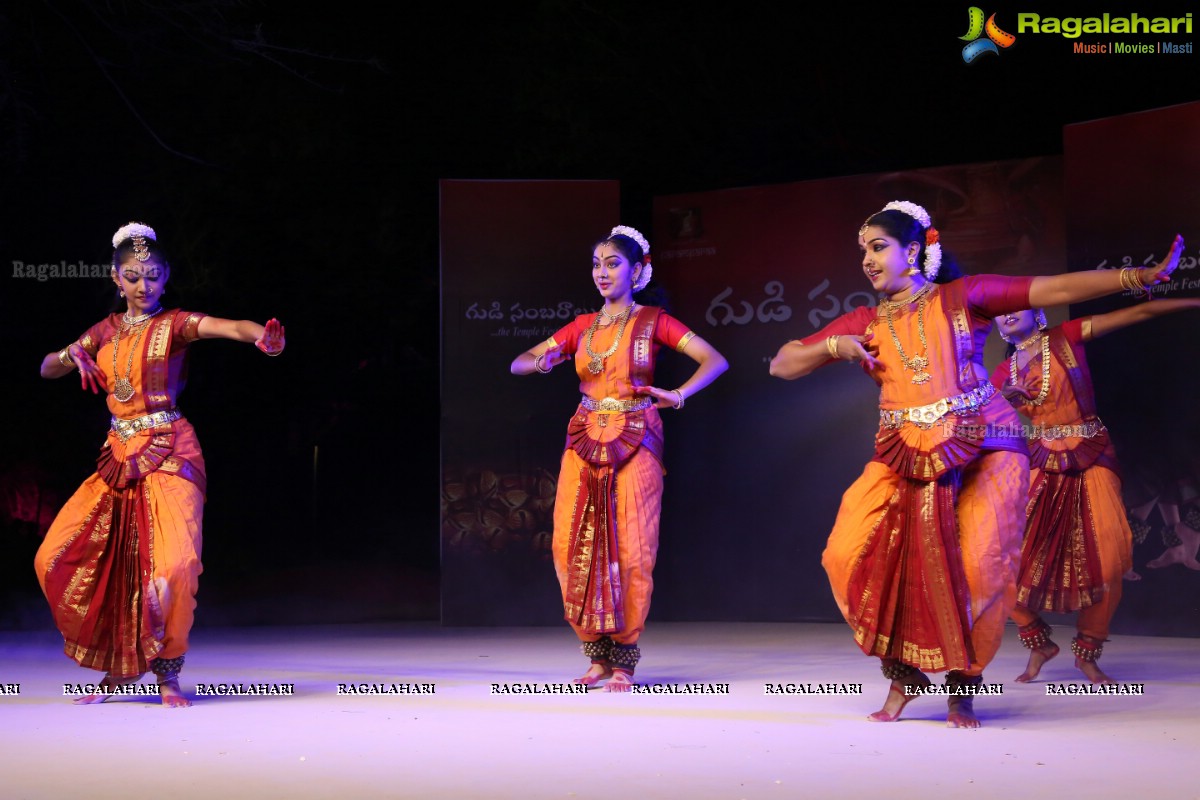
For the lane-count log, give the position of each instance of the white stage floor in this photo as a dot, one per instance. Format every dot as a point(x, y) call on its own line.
point(465, 742)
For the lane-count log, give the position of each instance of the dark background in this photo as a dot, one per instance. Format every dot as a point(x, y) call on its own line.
point(290, 162)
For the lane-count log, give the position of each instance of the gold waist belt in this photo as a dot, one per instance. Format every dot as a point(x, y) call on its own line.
point(126, 428)
point(927, 416)
point(612, 404)
point(1085, 430)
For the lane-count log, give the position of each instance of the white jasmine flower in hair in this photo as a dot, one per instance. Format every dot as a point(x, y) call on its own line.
point(912, 209)
point(632, 233)
point(933, 261)
point(131, 230)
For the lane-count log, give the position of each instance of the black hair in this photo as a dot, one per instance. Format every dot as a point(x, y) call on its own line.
point(906, 230)
point(650, 295)
point(124, 251)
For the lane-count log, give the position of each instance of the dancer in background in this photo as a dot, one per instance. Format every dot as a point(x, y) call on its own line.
point(121, 561)
point(923, 556)
point(1077, 539)
point(606, 512)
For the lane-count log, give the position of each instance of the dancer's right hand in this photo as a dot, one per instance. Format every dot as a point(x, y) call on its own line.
point(1015, 395)
point(90, 376)
point(859, 349)
point(553, 356)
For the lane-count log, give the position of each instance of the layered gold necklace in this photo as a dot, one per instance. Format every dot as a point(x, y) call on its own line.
point(123, 387)
point(917, 364)
point(596, 365)
point(1012, 366)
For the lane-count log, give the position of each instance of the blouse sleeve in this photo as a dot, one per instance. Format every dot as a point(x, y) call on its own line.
point(672, 333)
point(993, 295)
point(185, 326)
point(852, 324)
point(1078, 331)
point(94, 336)
point(1000, 374)
point(566, 338)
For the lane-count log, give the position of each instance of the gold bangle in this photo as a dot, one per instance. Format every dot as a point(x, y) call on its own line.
point(678, 394)
point(1125, 278)
point(539, 361)
point(278, 352)
point(831, 344)
point(1132, 281)
point(64, 357)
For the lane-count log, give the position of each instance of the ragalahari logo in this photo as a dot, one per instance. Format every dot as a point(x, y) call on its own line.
point(976, 27)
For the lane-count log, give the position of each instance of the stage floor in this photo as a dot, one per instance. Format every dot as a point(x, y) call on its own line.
point(463, 741)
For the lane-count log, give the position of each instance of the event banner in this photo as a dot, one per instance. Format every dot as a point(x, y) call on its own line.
point(1132, 183)
point(757, 465)
point(515, 267)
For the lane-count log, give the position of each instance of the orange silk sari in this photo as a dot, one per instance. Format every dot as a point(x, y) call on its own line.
point(923, 555)
point(606, 513)
point(120, 564)
point(1077, 539)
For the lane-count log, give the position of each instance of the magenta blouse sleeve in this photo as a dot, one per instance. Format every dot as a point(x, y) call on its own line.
point(993, 295)
point(95, 336)
point(185, 328)
point(1073, 330)
point(1000, 374)
point(853, 324)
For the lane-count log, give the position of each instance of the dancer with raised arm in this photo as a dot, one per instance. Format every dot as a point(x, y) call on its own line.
point(923, 555)
point(1077, 538)
point(120, 564)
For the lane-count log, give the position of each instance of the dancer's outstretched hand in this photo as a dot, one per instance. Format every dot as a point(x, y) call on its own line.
point(1161, 272)
point(272, 341)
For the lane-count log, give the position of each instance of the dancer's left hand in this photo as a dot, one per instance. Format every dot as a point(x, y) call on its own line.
point(663, 398)
point(272, 341)
point(1161, 272)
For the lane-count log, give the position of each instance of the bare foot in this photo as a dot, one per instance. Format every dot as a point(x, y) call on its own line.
point(595, 674)
point(172, 695)
point(1173, 555)
point(107, 684)
point(960, 708)
point(961, 713)
point(1037, 657)
point(1093, 671)
point(622, 681)
point(1131, 575)
point(1183, 553)
point(898, 698)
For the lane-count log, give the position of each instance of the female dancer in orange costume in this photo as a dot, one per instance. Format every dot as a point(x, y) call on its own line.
point(120, 563)
point(923, 555)
point(606, 512)
point(1077, 540)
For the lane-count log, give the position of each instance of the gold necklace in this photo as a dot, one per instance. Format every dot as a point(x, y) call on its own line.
point(596, 365)
point(917, 363)
point(123, 388)
point(1028, 341)
point(895, 305)
point(1012, 367)
point(613, 317)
